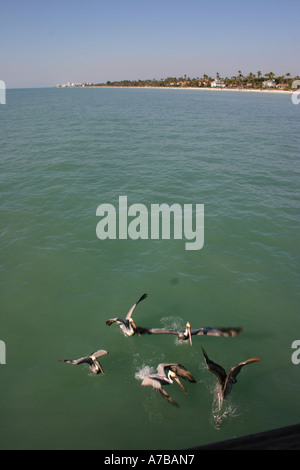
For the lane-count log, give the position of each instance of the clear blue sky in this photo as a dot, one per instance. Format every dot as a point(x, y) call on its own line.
point(45, 42)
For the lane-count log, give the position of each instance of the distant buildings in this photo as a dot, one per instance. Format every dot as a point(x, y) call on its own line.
point(268, 84)
point(281, 86)
point(217, 83)
point(72, 84)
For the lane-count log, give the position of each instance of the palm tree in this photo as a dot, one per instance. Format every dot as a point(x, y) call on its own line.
point(270, 75)
point(240, 77)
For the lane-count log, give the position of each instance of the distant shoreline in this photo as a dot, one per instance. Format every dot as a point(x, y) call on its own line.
point(245, 90)
point(251, 90)
point(264, 83)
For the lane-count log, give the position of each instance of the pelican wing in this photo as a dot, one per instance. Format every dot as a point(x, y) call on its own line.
point(167, 397)
point(216, 369)
point(179, 370)
point(209, 331)
point(76, 362)
point(160, 331)
point(113, 320)
point(232, 374)
point(161, 368)
point(157, 385)
point(101, 352)
point(151, 382)
point(129, 314)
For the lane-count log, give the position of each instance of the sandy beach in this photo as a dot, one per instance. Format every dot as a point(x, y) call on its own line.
point(244, 90)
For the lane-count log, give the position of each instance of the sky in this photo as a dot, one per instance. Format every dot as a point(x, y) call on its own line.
point(47, 42)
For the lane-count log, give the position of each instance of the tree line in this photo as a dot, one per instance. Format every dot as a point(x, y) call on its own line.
point(252, 80)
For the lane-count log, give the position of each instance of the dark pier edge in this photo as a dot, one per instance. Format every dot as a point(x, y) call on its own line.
point(287, 438)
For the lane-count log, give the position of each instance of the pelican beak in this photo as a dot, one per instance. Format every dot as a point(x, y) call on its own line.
point(188, 327)
point(134, 326)
point(180, 384)
point(102, 371)
point(220, 399)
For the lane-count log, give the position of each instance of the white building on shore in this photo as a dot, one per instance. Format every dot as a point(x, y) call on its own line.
point(72, 84)
point(269, 84)
point(217, 83)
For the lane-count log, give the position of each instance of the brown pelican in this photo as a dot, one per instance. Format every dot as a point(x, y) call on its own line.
point(157, 381)
point(95, 365)
point(225, 381)
point(168, 331)
point(127, 326)
point(189, 332)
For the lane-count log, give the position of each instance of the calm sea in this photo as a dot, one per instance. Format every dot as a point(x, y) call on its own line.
point(66, 151)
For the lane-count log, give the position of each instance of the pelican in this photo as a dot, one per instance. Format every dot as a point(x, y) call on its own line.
point(189, 332)
point(127, 326)
point(157, 381)
point(225, 381)
point(95, 365)
point(169, 331)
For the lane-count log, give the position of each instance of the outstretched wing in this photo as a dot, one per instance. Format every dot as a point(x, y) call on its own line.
point(181, 371)
point(159, 331)
point(215, 369)
point(150, 382)
point(101, 352)
point(156, 385)
point(129, 314)
point(232, 374)
point(167, 397)
point(161, 368)
point(209, 331)
point(113, 320)
point(76, 362)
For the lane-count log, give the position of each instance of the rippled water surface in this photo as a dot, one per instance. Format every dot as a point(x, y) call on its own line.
point(66, 151)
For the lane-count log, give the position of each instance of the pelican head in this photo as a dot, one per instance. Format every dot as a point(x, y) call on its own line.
point(188, 332)
point(97, 364)
point(172, 375)
point(133, 325)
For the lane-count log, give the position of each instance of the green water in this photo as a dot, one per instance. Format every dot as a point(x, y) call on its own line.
point(66, 151)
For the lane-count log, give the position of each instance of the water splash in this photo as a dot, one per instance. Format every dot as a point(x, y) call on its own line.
point(228, 412)
point(150, 404)
point(145, 371)
point(172, 322)
point(175, 323)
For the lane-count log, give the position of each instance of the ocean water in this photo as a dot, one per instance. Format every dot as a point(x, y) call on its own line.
point(66, 151)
